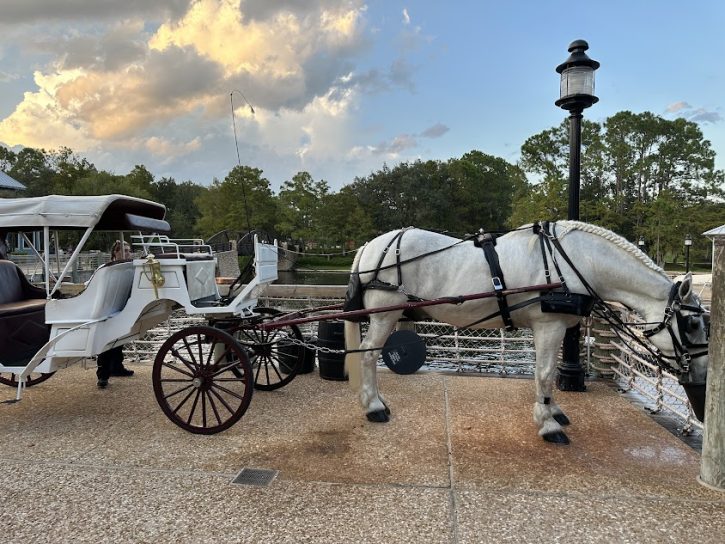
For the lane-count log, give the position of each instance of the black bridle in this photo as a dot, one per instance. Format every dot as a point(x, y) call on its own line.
point(684, 323)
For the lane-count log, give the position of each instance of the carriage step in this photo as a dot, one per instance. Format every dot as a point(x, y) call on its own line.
point(260, 477)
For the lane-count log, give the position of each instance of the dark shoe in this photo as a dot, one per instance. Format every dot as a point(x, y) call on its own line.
point(121, 371)
point(102, 382)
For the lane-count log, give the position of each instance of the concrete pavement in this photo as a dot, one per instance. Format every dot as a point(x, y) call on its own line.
point(459, 462)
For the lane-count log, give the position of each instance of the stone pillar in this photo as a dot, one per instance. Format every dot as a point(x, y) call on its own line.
point(712, 466)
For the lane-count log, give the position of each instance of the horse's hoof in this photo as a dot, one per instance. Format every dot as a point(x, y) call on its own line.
point(557, 437)
point(387, 410)
point(561, 419)
point(379, 416)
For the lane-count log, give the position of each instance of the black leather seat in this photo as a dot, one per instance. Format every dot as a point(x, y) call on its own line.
point(22, 316)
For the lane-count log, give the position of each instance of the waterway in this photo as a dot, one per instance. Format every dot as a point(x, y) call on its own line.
point(313, 277)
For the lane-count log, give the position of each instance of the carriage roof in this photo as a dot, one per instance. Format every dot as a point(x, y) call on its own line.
point(104, 212)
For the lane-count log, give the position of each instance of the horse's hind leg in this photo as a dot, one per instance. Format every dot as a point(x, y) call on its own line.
point(381, 325)
point(547, 414)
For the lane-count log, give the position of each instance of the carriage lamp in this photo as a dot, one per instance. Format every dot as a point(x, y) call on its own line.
point(640, 243)
point(688, 243)
point(576, 92)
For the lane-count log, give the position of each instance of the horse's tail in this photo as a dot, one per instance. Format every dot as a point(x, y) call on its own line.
point(353, 361)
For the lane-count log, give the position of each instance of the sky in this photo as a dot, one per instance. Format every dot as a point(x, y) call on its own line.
point(337, 88)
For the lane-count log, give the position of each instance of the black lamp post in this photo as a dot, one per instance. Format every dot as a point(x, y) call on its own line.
point(688, 243)
point(576, 93)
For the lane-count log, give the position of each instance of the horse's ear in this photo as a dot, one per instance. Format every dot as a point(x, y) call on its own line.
point(686, 286)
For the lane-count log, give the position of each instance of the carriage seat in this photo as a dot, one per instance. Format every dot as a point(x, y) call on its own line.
point(186, 256)
point(22, 316)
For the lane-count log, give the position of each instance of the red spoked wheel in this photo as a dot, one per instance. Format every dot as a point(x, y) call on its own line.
point(8, 378)
point(202, 380)
point(276, 354)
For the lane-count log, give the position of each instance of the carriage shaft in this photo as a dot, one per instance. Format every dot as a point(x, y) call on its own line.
point(284, 321)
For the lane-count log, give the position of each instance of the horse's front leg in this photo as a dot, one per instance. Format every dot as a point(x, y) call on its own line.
point(547, 414)
point(372, 401)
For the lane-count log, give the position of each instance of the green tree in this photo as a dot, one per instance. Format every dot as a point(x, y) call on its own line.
point(222, 206)
point(626, 163)
point(181, 201)
point(300, 201)
point(344, 219)
point(32, 168)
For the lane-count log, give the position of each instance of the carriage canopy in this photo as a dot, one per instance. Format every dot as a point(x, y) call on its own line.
point(104, 212)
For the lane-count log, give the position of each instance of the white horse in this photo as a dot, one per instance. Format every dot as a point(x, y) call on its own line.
point(429, 265)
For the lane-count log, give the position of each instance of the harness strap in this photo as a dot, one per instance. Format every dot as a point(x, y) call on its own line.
point(375, 283)
point(487, 243)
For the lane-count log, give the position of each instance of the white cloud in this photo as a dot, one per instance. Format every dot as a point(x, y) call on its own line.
point(125, 84)
point(406, 17)
point(677, 106)
point(696, 115)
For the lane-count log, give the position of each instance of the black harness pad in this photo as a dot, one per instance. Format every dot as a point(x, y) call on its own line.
point(563, 302)
point(354, 298)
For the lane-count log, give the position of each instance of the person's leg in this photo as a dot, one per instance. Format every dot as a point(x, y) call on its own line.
point(117, 368)
point(104, 362)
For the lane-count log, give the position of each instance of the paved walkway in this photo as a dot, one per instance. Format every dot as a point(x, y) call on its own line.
point(460, 462)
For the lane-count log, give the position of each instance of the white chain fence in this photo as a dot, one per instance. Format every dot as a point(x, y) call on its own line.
point(494, 351)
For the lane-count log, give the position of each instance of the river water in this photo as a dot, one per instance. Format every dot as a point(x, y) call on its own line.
point(312, 277)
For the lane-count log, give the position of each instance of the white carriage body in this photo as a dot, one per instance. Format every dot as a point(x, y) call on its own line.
point(124, 299)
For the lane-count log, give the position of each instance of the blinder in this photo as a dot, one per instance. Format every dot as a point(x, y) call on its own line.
point(686, 326)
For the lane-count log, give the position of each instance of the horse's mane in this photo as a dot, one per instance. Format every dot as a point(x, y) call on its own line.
point(616, 239)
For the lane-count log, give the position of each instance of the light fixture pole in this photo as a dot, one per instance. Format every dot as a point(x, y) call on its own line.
point(688, 243)
point(576, 92)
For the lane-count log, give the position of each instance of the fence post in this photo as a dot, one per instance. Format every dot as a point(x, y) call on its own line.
point(712, 466)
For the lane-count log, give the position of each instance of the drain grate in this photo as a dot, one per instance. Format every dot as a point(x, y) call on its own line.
point(261, 477)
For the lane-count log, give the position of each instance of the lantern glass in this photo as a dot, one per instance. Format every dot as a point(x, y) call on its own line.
point(577, 80)
point(688, 240)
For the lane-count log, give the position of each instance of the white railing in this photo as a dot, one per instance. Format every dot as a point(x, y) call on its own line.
point(489, 351)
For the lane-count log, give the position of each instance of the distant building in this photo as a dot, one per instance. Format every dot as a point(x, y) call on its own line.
point(9, 188)
point(9, 185)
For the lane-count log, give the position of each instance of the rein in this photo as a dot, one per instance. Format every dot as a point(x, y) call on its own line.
point(673, 308)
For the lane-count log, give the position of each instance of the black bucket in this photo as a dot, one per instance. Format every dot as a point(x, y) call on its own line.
point(308, 358)
point(331, 334)
point(289, 352)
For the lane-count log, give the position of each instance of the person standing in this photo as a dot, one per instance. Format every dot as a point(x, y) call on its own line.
point(110, 363)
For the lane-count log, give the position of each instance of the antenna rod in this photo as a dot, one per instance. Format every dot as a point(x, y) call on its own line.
point(236, 144)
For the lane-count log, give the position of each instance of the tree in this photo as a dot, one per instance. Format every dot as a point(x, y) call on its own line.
point(300, 201)
point(344, 220)
point(32, 168)
point(626, 163)
point(181, 201)
point(222, 206)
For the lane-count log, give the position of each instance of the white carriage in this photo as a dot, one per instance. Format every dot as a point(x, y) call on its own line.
point(204, 375)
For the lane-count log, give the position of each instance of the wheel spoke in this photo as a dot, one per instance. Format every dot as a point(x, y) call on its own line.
point(213, 407)
point(224, 369)
point(203, 408)
point(177, 369)
point(178, 391)
point(178, 407)
point(227, 391)
point(193, 407)
point(191, 354)
point(222, 400)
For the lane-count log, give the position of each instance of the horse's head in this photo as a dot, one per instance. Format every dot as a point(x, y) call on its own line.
point(683, 338)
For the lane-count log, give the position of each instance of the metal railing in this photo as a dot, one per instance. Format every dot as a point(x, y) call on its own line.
point(491, 351)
